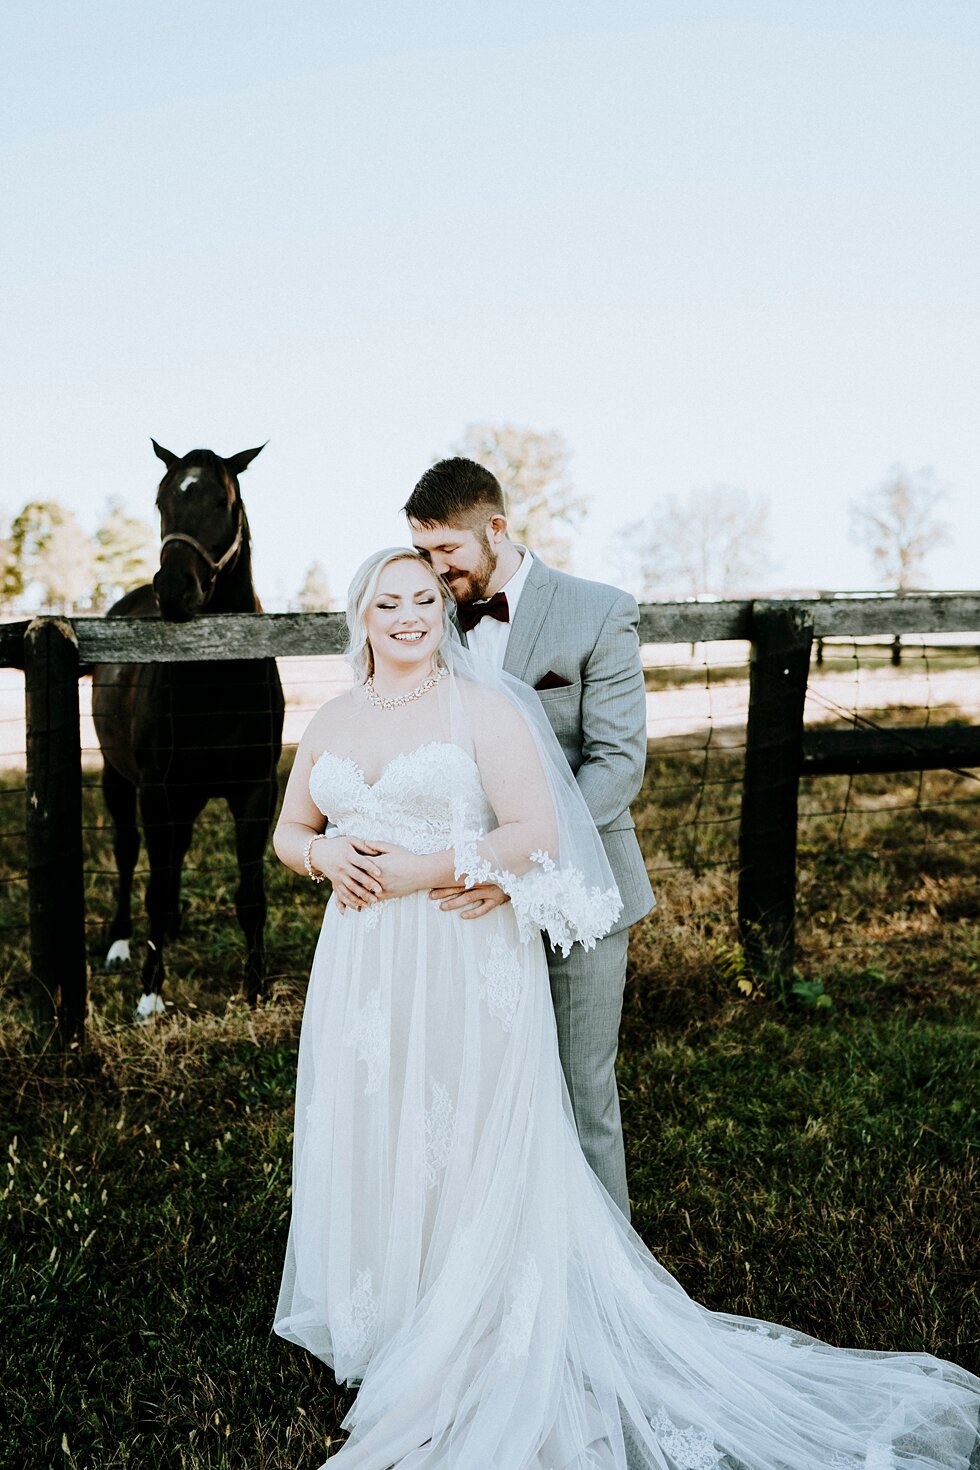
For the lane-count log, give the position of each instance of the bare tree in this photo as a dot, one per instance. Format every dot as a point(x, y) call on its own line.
point(896, 524)
point(542, 504)
point(53, 553)
point(314, 595)
point(125, 554)
point(709, 542)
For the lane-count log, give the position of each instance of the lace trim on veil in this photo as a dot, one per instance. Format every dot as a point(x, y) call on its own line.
point(561, 883)
point(547, 898)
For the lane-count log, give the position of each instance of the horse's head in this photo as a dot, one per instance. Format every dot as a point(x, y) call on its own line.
point(202, 522)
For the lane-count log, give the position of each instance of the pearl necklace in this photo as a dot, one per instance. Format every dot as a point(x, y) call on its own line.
point(380, 702)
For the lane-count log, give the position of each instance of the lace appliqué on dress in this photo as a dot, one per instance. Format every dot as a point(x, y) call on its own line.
point(438, 1126)
point(411, 803)
point(502, 985)
point(356, 1319)
point(878, 1456)
point(368, 917)
point(368, 1034)
point(629, 1279)
point(518, 1322)
point(690, 1449)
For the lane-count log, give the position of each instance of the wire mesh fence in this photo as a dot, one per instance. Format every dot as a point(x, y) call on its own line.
point(887, 864)
point(697, 702)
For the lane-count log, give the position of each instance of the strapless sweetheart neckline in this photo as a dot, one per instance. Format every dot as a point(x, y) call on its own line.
point(403, 755)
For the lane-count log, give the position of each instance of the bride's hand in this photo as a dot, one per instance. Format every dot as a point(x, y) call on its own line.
point(349, 864)
point(401, 872)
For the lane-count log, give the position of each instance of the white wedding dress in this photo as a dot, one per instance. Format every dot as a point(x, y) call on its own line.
point(451, 1249)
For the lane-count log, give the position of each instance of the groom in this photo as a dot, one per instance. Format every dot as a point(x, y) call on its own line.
point(576, 643)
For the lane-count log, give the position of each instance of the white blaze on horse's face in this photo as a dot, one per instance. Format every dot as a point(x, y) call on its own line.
point(191, 477)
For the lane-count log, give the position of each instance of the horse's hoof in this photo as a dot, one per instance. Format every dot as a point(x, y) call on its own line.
point(118, 955)
point(150, 1006)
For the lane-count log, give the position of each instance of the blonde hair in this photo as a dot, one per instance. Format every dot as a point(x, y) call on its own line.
point(362, 590)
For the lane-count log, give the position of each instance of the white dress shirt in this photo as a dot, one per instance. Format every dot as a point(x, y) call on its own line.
point(489, 637)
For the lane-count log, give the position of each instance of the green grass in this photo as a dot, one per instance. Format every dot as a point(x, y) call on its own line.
point(814, 1166)
point(815, 1174)
point(146, 1209)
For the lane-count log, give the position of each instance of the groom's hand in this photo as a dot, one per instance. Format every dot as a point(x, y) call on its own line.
point(474, 902)
point(402, 872)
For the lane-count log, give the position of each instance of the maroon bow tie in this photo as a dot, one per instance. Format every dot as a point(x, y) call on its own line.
point(468, 614)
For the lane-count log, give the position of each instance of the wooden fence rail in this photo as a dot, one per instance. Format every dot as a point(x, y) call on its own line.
point(53, 652)
point(269, 635)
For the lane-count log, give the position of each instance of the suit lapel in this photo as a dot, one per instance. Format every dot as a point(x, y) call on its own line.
point(461, 635)
point(539, 589)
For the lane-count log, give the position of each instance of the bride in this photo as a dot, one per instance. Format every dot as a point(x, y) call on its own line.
point(450, 1248)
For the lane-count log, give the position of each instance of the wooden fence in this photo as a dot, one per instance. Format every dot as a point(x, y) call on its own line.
point(54, 651)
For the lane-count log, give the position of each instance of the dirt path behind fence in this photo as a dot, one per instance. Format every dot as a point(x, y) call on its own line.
point(688, 709)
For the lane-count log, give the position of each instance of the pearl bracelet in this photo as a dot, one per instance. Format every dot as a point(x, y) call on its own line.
point(308, 859)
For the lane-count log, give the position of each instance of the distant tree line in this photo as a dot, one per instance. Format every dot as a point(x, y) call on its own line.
point(710, 542)
point(48, 561)
point(716, 541)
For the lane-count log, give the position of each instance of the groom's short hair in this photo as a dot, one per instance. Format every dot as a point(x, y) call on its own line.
point(455, 492)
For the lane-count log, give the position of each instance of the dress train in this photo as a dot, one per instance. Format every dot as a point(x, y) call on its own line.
point(451, 1250)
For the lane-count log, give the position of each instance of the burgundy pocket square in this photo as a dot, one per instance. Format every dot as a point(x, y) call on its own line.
point(552, 681)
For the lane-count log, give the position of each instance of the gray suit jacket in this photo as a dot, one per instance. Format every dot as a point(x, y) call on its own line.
point(586, 632)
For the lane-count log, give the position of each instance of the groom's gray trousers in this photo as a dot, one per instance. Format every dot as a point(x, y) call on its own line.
point(587, 990)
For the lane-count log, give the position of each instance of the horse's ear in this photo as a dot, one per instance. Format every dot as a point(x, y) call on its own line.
point(241, 461)
point(169, 459)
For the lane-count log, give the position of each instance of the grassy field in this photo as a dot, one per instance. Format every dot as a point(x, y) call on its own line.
point(808, 1155)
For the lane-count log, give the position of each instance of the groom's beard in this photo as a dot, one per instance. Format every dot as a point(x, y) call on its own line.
point(472, 586)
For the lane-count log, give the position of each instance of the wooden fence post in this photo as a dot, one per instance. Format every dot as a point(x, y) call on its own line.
point(781, 641)
point(55, 877)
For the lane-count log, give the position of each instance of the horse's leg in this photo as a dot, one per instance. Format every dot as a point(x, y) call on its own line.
point(120, 800)
point(253, 808)
point(168, 822)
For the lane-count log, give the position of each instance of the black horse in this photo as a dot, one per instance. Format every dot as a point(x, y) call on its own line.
point(173, 735)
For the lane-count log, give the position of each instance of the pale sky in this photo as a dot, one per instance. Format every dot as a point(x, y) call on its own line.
point(706, 242)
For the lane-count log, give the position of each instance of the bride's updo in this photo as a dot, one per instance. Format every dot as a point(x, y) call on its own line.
point(360, 593)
